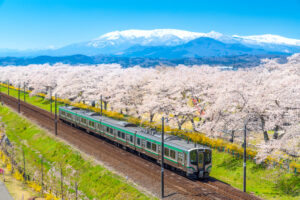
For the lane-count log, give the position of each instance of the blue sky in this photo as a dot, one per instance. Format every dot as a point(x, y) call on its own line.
point(26, 24)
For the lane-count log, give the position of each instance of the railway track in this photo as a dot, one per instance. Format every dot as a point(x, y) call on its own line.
point(141, 171)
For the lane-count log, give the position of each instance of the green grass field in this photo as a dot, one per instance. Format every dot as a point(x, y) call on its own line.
point(267, 183)
point(94, 180)
point(34, 100)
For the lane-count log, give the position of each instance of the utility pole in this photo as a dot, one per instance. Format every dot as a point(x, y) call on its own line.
point(24, 92)
point(61, 183)
point(162, 157)
point(0, 92)
point(24, 165)
point(42, 184)
point(12, 160)
point(76, 190)
point(50, 100)
point(55, 120)
point(245, 159)
point(19, 105)
point(101, 104)
point(8, 87)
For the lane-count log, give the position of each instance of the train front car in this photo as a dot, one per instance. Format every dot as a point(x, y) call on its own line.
point(199, 163)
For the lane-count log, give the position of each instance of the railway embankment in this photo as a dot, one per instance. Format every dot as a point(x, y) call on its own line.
point(263, 181)
point(53, 168)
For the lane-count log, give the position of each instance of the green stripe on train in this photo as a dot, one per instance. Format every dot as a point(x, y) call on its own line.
point(93, 120)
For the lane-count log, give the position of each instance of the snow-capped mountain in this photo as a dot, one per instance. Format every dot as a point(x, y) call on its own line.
point(157, 37)
point(172, 37)
point(267, 39)
point(120, 42)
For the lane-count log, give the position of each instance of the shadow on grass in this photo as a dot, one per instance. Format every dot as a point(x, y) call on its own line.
point(212, 179)
point(257, 167)
point(231, 163)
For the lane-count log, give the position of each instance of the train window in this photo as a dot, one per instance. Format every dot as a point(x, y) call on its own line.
point(83, 120)
point(63, 113)
point(207, 157)
point(138, 141)
point(193, 157)
point(148, 145)
point(111, 131)
point(123, 135)
point(107, 129)
point(167, 152)
point(154, 147)
point(131, 138)
point(200, 158)
point(180, 157)
point(119, 134)
point(92, 124)
point(172, 154)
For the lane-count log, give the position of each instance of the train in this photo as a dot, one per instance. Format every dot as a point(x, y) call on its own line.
point(194, 160)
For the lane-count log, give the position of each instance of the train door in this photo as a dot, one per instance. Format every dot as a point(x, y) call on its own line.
point(200, 160)
point(197, 161)
point(159, 153)
point(143, 145)
point(180, 159)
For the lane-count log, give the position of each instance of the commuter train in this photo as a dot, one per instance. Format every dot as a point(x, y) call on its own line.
point(193, 160)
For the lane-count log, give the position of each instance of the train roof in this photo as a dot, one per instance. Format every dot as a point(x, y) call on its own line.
point(170, 140)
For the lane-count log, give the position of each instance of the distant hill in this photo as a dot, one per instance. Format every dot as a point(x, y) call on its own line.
point(200, 47)
point(241, 61)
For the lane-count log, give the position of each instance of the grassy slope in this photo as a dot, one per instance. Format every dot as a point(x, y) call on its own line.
point(95, 181)
point(34, 100)
point(267, 183)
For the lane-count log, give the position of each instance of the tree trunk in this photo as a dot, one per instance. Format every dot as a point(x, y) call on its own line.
point(179, 126)
point(105, 105)
point(232, 136)
point(193, 124)
point(266, 136)
point(275, 136)
point(151, 117)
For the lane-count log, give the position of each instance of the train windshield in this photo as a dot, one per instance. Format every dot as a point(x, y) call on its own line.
point(196, 157)
point(207, 156)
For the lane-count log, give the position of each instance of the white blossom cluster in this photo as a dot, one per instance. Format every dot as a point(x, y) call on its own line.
point(266, 97)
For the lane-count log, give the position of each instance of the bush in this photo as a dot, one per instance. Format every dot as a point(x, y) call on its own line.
point(289, 185)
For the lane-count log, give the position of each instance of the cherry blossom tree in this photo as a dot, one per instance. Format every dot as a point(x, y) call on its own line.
point(216, 102)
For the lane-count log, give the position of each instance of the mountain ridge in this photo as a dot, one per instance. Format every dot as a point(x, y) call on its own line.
point(199, 47)
point(117, 42)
